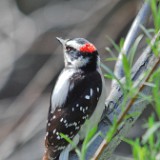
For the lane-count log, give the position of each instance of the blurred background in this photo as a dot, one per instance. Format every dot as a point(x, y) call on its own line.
point(31, 59)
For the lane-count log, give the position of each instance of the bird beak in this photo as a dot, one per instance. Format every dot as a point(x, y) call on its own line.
point(62, 41)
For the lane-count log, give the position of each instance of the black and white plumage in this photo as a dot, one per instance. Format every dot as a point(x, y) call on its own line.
point(79, 95)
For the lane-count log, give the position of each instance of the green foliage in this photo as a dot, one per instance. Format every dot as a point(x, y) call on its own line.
point(110, 75)
point(134, 49)
point(112, 130)
point(86, 141)
point(156, 91)
point(90, 136)
point(111, 59)
point(127, 71)
point(116, 47)
point(156, 12)
point(139, 152)
point(149, 147)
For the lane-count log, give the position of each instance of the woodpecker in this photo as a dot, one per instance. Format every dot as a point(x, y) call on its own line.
point(77, 100)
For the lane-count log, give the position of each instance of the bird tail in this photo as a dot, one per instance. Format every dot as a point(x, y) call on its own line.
point(49, 155)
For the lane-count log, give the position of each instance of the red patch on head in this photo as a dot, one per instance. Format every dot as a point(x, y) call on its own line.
point(88, 47)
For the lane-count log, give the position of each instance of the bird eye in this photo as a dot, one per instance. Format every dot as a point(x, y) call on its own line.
point(68, 48)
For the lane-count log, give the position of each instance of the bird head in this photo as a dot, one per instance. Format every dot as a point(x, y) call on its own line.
point(79, 53)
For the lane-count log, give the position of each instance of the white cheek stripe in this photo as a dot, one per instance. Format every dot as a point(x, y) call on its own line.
point(76, 63)
point(61, 89)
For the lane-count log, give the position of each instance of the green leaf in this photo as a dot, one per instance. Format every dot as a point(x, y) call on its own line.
point(155, 12)
point(112, 130)
point(156, 91)
point(68, 139)
point(110, 52)
point(127, 70)
point(121, 44)
point(89, 136)
point(114, 44)
point(111, 75)
point(147, 31)
point(112, 59)
point(151, 131)
point(108, 76)
point(133, 49)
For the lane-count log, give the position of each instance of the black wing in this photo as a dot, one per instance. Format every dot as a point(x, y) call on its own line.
point(79, 106)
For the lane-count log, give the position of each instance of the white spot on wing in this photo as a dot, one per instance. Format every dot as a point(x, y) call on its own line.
point(61, 147)
point(61, 120)
point(84, 117)
point(54, 131)
point(52, 111)
point(72, 136)
point(54, 117)
point(87, 97)
point(77, 128)
point(71, 132)
point(59, 109)
point(91, 92)
point(97, 89)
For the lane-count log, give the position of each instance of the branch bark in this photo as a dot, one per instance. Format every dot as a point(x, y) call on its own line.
point(135, 30)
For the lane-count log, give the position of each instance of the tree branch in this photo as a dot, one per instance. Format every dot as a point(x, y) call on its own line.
point(135, 30)
point(130, 108)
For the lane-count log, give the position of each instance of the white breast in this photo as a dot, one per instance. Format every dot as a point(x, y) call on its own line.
point(61, 89)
